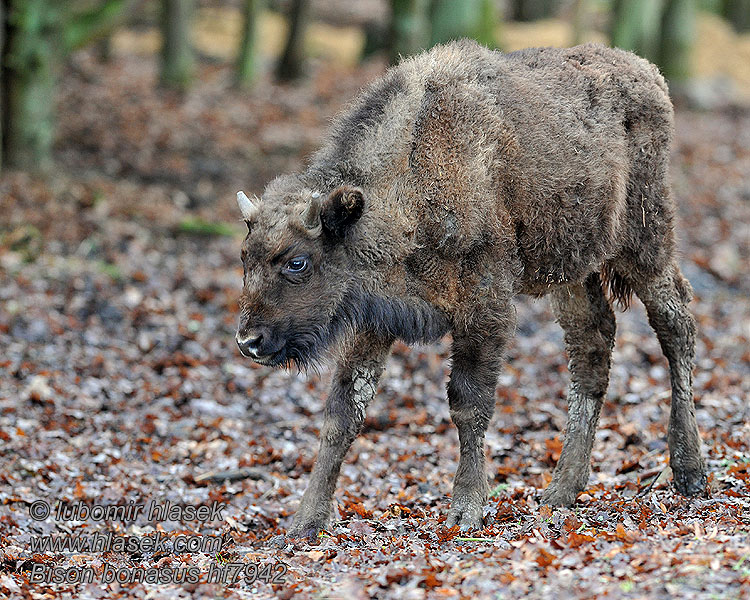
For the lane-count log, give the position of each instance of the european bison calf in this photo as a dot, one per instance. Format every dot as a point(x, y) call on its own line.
point(462, 178)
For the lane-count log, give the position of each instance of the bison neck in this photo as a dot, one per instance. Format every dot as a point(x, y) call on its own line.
point(409, 319)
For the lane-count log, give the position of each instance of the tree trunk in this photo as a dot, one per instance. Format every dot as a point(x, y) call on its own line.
point(31, 61)
point(410, 28)
point(177, 51)
point(486, 31)
point(377, 38)
point(579, 20)
point(2, 60)
point(737, 12)
point(677, 36)
point(635, 27)
point(290, 65)
point(97, 23)
point(104, 49)
point(246, 58)
point(532, 10)
point(453, 19)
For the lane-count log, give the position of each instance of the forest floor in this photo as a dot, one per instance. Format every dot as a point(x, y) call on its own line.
point(120, 381)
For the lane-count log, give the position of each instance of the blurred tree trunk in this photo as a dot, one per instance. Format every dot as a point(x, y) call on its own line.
point(30, 64)
point(737, 12)
point(104, 49)
point(533, 10)
point(93, 25)
point(377, 38)
point(635, 27)
point(177, 51)
point(37, 36)
point(96, 26)
point(489, 22)
point(290, 65)
point(246, 58)
point(453, 19)
point(677, 37)
point(2, 59)
point(410, 28)
point(579, 20)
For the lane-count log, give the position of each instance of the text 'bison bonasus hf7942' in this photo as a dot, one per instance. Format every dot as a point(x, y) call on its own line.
point(460, 179)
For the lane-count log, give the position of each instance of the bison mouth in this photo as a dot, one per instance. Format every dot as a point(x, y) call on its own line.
point(300, 352)
point(270, 359)
point(267, 360)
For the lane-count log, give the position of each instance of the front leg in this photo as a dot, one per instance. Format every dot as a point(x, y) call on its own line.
point(354, 386)
point(471, 394)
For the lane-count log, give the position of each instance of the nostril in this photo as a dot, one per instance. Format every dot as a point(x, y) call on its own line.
point(249, 344)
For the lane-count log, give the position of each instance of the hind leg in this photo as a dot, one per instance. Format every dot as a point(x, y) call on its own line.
point(665, 298)
point(589, 325)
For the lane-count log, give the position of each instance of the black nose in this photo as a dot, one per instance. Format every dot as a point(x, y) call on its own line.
point(249, 346)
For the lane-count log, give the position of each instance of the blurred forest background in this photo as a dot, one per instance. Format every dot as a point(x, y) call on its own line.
point(127, 127)
point(700, 42)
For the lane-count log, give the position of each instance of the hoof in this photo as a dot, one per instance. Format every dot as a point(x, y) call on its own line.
point(690, 482)
point(467, 516)
point(278, 541)
point(307, 531)
point(558, 496)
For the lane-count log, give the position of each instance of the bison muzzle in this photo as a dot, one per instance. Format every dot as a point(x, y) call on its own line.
point(460, 179)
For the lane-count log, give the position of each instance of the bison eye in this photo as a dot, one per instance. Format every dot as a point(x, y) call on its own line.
point(298, 264)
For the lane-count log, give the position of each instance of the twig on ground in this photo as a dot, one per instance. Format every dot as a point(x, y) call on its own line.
point(233, 475)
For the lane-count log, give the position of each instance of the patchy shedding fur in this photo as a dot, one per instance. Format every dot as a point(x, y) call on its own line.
point(462, 178)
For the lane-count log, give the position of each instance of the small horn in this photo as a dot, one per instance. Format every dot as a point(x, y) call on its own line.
point(247, 206)
point(311, 214)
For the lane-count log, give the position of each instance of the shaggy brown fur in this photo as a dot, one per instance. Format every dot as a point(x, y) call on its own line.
point(462, 178)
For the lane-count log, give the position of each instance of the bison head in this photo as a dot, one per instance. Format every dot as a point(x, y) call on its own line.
point(296, 274)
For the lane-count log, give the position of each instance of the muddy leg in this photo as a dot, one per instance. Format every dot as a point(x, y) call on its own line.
point(666, 299)
point(353, 388)
point(589, 325)
point(471, 394)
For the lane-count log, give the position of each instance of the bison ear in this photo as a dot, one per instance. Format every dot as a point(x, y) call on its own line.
point(342, 209)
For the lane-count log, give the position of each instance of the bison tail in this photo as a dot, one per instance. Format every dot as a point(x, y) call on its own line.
point(617, 286)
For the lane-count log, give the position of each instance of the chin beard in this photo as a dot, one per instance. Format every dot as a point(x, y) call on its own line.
point(304, 349)
point(411, 321)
